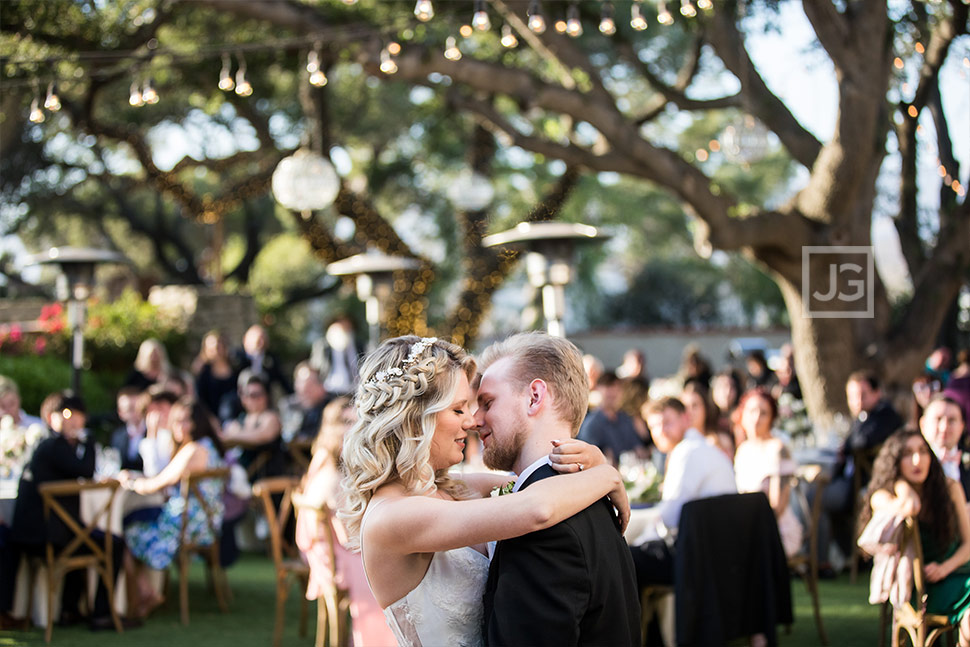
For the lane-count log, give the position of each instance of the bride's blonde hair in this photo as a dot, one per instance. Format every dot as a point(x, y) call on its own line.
point(404, 383)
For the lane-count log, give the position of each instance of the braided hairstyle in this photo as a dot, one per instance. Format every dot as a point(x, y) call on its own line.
point(404, 383)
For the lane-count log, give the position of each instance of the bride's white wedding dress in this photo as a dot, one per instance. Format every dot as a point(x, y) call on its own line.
point(445, 608)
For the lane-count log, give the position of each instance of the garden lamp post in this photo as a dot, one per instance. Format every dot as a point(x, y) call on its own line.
point(550, 255)
point(375, 284)
point(74, 285)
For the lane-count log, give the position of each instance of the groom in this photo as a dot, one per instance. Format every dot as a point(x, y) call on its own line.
point(573, 583)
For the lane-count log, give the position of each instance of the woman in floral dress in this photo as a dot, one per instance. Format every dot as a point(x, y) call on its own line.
point(152, 535)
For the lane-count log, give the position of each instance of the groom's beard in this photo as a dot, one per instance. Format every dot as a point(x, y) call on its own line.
point(501, 455)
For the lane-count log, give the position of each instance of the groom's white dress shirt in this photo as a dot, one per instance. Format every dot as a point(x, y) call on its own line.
point(695, 470)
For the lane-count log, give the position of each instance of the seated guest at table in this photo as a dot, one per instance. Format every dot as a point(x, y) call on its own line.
point(257, 431)
point(151, 364)
point(725, 391)
point(704, 416)
point(10, 405)
point(764, 463)
point(152, 535)
point(321, 485)
point(695, 470)
point(942, 425)
point(924, 387)
point(303, 411)
point(157, 447)
point(258, 358)
point(130, 404)
point(215, 378)
point(958, 386)
point(874, 420)
point(608, 427)
point(907, 481)
point(67, 454)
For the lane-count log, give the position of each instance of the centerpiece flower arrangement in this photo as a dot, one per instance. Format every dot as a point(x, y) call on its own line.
point(641, 478)
point(793, 417)
point(17, 445)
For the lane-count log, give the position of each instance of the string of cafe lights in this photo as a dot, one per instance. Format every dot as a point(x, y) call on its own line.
point(143, 92)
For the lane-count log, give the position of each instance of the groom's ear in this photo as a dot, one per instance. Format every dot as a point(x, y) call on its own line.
point(538, 392)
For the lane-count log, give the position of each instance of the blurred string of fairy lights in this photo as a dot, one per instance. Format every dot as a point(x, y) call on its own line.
point(742, 142)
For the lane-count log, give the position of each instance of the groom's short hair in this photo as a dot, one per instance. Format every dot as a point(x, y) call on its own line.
point(554, 360)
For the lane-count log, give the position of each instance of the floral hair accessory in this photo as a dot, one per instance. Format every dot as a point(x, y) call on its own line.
point(413, 354)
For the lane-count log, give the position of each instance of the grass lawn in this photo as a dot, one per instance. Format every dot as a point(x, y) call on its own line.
point(848, 619)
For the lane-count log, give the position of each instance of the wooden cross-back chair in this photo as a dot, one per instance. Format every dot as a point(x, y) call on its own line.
point(67, 558)
point(806, 563)
point(923, 628)
point(862, 460)
point(208, 552)
point(332, 610)
point(286, 556)
point(300, 450)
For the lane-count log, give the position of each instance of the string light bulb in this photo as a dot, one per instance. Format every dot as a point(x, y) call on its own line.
point(574, 26)
point(388, 65)
point(687, 9)
point(637, 20)
point(607, 24)
point(508, 36)
point(560, 26)
point(705, 4)
point(663, 14)
point(134, 95)
point(480, 20)
point(312, 62)
point(424, 10)
point(243, 87)
point(148, 93)
point(452, 53)
point(36, 114)
point(318, 78)
point(52, 102)
point(226, 84)
point(537, 23)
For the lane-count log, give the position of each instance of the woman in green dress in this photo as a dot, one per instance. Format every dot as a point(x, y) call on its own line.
point(907, 479)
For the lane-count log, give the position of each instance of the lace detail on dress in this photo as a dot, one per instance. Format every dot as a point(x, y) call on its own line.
point(445, 608)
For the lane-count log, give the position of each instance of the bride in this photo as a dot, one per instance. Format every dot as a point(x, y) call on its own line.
point(422, 533)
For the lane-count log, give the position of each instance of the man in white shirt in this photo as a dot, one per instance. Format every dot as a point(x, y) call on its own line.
point(942, 425)
point(695, 469)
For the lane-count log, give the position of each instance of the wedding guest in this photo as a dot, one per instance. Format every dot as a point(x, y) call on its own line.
point(764, 463)
point(725, 391)
point(215, 378)
point(10, 404)
point(873, 421)
point(302, 412)
point(908, 481)
point(130, 404)
point(321, 486)
point(608, 427)
point(152, 535)
point(67, 454)
point(157, 447)
point(758, 372)
point(695, 470)
point(925, 386)
point(256, 356)
point(694, 366)
point(704, 417)
point(257, 431)
point(787, 379)
point(339, 356)
point(151, 365)
point(593, 369)
point(943, 424)
point(958, 387)
point(938, 364)
point(422, 532)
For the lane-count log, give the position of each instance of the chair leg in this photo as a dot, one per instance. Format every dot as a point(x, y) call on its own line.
point(812, 585)
point(109, 587)
point(281, 593)
point(883, 617)
point(51, 581)
point(184, 586)
point(333, 613)
point(323, 622)
point(304, 606)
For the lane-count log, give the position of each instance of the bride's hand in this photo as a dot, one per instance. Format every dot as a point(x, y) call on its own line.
point(621, 502)
point(573, 455)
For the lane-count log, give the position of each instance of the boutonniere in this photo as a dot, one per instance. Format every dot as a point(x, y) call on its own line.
point(504, 489)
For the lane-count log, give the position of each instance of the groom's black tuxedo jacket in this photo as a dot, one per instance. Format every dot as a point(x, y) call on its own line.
point(571, 584)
